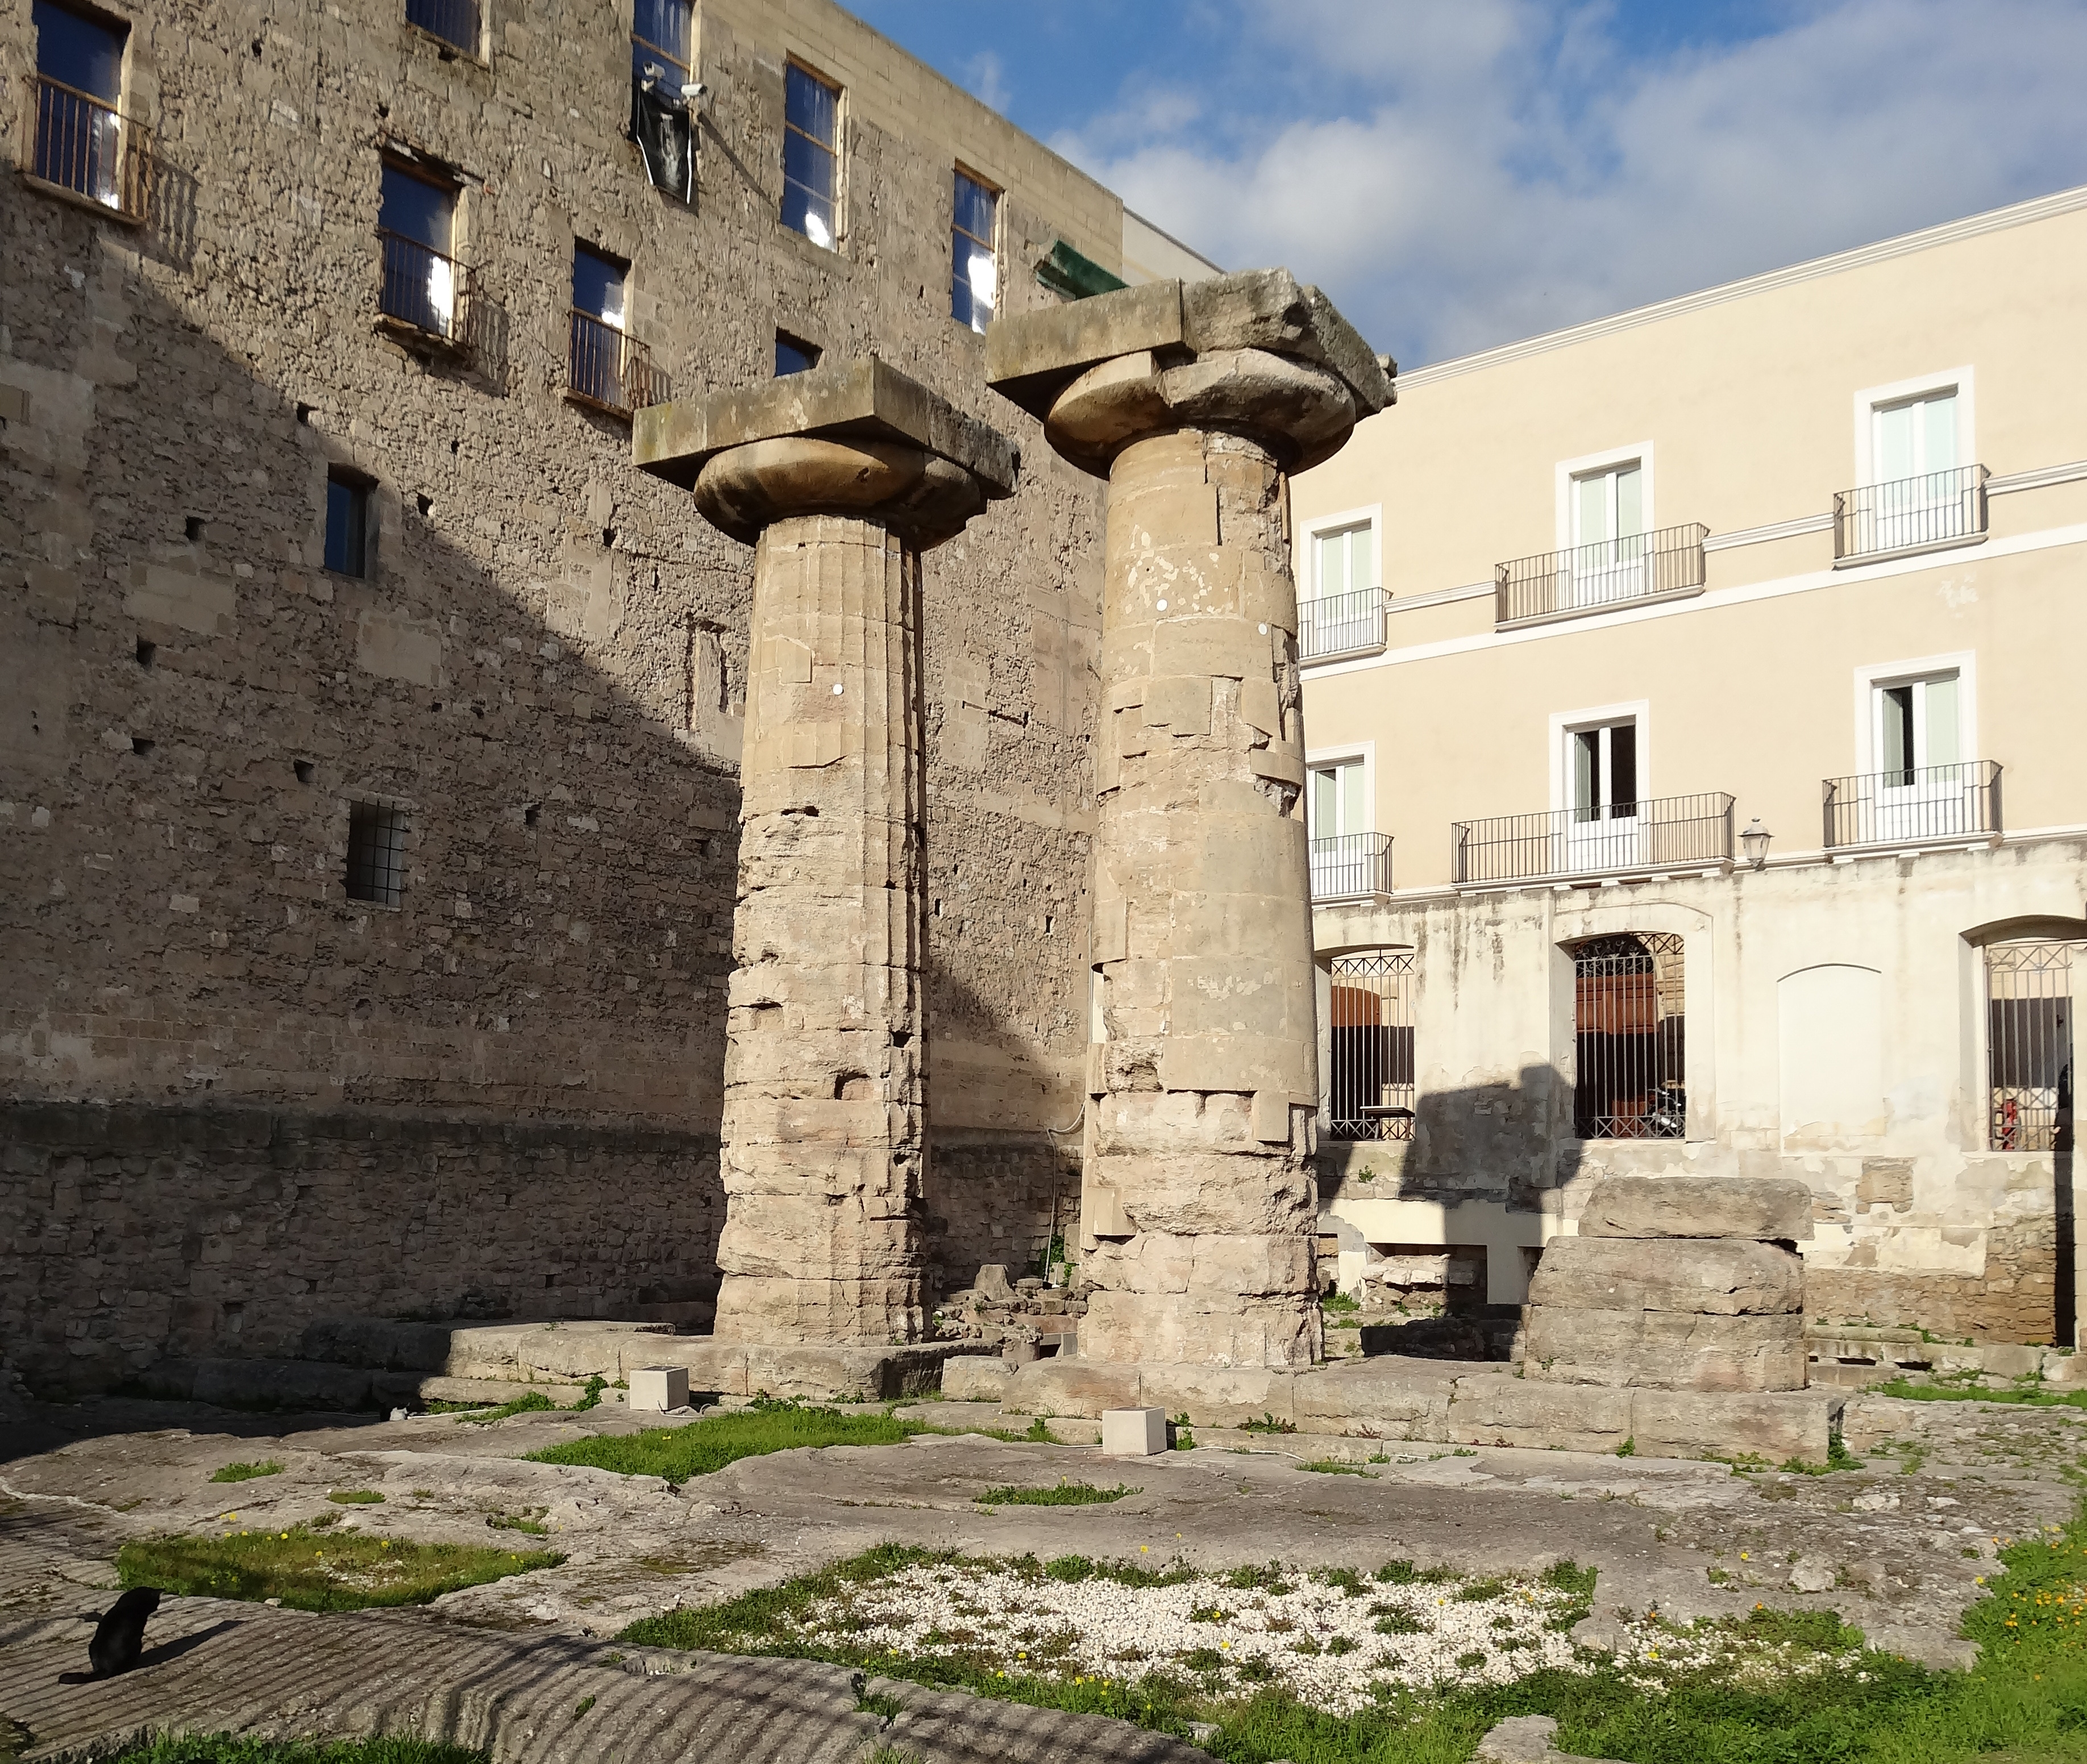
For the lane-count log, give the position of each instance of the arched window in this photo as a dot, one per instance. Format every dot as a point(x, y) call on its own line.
point(1369, 1076)
point(1628, 1029)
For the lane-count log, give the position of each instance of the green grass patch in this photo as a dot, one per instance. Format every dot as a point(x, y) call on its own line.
point(2033, 1396)
point(340, 1571)
point(356, 1498)
point(1336, 1466)
point(246, 1472)
point(1065, 1494)
point(2024, 1701)
point(478, 1414)
point(242, 1749)
point(1268, 1424)
point(681, 1453)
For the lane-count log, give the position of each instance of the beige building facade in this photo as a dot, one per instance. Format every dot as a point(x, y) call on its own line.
point(1693, 776)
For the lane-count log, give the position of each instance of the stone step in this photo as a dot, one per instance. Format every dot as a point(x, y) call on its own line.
point(323, 1385)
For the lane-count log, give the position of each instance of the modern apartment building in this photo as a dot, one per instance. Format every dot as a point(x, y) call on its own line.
point(369, 728)
point(1695, 784)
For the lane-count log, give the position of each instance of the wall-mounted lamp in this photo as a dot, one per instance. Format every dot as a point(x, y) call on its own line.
point(1754, 842)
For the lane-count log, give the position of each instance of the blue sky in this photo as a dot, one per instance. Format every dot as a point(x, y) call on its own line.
point(1457, 173)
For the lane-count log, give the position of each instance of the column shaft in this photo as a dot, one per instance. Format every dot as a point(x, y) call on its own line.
point(824, 1125)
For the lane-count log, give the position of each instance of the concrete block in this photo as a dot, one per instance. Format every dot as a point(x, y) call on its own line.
point(1133, 1432)
point(1778, 1426)
point(976, 1377)
point(1727, 1276)
point(1773, 1208)
point(658, 1388)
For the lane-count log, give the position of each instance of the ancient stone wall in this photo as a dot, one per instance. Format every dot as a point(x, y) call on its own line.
point(545, 664)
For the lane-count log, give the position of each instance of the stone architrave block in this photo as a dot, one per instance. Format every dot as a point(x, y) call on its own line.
point(976, 1377)
point(1072, 1388)
point(1133, 1432)
point(657, 1389)
point(1219, 1396)
point(1497, 1409)
point(1390, 1398)
point(1728, 1276)
point(1778, 1426)
point(1768, 1208)
point(1663, 1349)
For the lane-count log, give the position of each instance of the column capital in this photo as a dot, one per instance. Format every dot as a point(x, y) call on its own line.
point(853, 437)
point(1255, 354)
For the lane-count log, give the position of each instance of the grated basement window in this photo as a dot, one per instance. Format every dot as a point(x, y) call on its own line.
point(1370, 1082)
point(376, 853)
point(2029, 990)
point(1630, 1031)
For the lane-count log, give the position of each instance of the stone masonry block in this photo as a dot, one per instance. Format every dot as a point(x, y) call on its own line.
point(1677, 1350)
point(976, 1377)
point(1724, 1276)
point(1496, 1409)
point(1768, 1208)
point(1133, 1432)
point(1778, 1426)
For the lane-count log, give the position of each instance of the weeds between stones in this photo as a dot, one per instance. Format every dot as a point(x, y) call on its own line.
point(355, 1497)
point(702, 1447)
point(243, 1749)
point(2033, 1392)
point(246, 1472)
point(1774, 1687)
point(1065, 1494)
point(341, 1571)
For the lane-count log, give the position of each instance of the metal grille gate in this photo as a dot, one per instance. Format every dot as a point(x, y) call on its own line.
point(2029, 1006)
point(1629, 1028)
point(1369, 1082)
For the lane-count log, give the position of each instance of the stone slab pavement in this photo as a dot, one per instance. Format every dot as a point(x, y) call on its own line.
point(1897, 1546)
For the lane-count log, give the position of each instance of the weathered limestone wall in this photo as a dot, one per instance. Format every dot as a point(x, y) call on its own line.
point(136, 1232)
point(547, 665)
point(1868, 1082)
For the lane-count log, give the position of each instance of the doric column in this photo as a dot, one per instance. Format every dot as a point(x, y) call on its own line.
point(1196, 401)
point(839, 479)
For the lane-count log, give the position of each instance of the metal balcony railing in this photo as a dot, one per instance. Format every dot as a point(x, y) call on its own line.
point(1912, 804)
point(1350, 866)
point(608, 369)
point(455, 21)
point(1931, 509)
point(1674, 833)
point(1587, 578)
point(1341, 625)
point(82, 144)
point(428, 293)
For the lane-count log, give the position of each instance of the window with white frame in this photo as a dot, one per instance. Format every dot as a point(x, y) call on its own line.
point(1917, 481)
point(1601, 767)
point(1608, 551)
point(1345, 611)
point(1915, 727)
point(1347, 858)
point(1339, 806)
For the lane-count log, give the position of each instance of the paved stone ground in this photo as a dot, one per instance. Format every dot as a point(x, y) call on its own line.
point(1895, 1547)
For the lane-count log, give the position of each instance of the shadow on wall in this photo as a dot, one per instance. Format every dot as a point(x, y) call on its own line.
point(238, 1099)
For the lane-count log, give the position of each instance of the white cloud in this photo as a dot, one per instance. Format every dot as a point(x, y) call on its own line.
point(985, 76)
point(1455, 176)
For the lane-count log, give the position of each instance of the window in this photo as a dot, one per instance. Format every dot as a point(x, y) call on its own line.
point(416, 225)
point(1370, 1072)
point(82, 142)
point(661, 38)
point(811, 165)
point(1347, 859)
point(455, 21)
point(376, 853)
point(1913, 446)
point(1603, 765)
point(347, 523)
point(1916, 727)
point(2029, 1038)
point(605, 368)
point(1607, 559)
point(974, 253)
point(793, 355)
point(1337, 805)
point(1629, 1024)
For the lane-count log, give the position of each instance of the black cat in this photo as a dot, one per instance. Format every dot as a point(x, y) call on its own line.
point(120, 1636)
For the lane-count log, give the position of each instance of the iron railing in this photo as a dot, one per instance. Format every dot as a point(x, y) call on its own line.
point(1341, 625)
point(82, 144)
point(1369, 1068)
point(1673, 832)
point(427, 292)
point(1931, 509)
point(608, 369)
point(1584, 578)
point(1629, 1025)
point(1911, 803)
point(1351, 865)
point(2028, 1022)
point(455, 21)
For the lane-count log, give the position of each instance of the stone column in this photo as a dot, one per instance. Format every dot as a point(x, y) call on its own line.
point(839, 479)
point(1197, 402)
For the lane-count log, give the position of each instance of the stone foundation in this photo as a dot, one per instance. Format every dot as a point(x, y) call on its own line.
point(130, 1233)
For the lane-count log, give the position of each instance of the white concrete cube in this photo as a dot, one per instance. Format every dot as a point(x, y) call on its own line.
point(658, 1388)
point(1133, 1432)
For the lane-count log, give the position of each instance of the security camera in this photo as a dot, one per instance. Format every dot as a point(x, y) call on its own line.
point(692, 93)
